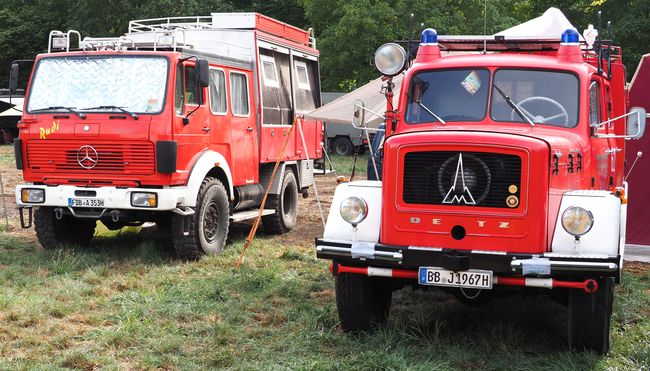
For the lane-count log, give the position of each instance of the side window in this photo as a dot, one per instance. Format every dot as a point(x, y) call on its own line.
point(270, 73)
point(191, 93)
point(301, 74)
point(179, 90)
point(594, 103)
point(218, 103)
point(239, 94)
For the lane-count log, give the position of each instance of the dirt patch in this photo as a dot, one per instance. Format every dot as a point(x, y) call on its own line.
point(637, 268)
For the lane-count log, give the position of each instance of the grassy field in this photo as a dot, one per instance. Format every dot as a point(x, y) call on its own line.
point(126, 302)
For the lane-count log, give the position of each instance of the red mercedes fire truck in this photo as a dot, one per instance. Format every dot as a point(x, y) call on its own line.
point(178, 122)
point(502, 169)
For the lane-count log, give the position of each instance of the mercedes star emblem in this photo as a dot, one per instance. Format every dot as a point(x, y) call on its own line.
point(87, 157)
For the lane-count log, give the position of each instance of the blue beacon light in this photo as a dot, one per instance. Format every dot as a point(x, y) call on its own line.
point(429, 37)
point(570, 36)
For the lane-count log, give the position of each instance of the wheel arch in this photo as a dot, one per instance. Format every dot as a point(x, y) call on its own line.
point(208, 164)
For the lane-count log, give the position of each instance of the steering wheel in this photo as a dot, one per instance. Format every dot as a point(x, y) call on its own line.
point(539, 118)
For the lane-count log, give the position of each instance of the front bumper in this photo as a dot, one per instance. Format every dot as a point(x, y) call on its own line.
point(499, 262)
point(114, 198)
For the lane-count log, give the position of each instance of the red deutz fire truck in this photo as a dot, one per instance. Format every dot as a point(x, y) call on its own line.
point(502, 170)
point(178, 122)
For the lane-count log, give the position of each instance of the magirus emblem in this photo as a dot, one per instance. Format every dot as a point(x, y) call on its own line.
point(459, 192)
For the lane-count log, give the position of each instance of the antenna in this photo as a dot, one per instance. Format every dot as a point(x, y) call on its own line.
point(600, 45)
point(485, 28)
point(410, 38)
point(638, 156)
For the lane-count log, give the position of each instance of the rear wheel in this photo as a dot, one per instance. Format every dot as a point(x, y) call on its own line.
point(208, 227)
point(589, 317)
point(285, 205)
point(342, 146)
point(362, 302)
point(51, 232)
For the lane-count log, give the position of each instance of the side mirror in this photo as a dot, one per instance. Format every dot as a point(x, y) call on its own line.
point(13, 78)
point(203, 68)
point(359, 113)
point(636, 123)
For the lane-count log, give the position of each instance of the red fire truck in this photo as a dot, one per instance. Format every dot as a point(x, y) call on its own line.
point(502, 170)
point(178, 122)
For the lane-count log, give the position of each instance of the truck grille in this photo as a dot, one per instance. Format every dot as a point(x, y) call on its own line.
point(60, 156)
point(462, 179)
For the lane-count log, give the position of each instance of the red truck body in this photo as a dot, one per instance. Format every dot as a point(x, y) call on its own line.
point(197, 103)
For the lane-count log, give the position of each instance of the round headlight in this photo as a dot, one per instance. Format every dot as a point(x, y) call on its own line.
point(390, 59)
point(577, 221)
point(354, 210)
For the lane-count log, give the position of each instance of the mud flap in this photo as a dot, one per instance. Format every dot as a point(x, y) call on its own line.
point(26, 223)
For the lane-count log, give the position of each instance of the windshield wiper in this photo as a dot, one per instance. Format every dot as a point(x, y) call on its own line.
point(55, 108)
point(132, 114)
point(514, 106)
point(428, 110)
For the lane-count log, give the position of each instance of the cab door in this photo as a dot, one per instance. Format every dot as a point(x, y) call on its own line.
point(191, 122)
point(601, 149)
point(243, 129)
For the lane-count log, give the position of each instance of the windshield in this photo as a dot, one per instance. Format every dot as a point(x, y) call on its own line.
point(450, 95)
point(136, 84)
point(545, 97)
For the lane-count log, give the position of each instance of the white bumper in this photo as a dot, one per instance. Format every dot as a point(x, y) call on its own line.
point(113, 197)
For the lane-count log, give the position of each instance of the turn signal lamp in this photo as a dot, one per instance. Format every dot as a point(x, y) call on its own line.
point(429, 37)
point(570, 37)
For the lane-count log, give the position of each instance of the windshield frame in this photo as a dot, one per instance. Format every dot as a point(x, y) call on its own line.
point(468, 68)
point(562, 71)
point(163, 106)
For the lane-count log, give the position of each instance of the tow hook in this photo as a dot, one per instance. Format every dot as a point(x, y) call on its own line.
point(58, 213)
point(591, 286)
point(115, 215)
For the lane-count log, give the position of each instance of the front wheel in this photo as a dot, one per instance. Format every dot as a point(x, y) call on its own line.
point(589, 317)
point(285, 205)
point(52, 232)
point(208, 227)
point(362, 302)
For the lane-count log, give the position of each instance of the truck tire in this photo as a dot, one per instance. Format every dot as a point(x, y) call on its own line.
point(208, 229)
point(342, 146)
point(285, 205)
point(52, 232)
point(589, 317)
point(362, 302)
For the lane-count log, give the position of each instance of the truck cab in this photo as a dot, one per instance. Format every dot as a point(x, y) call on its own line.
point(502, 167)
point(177, 122)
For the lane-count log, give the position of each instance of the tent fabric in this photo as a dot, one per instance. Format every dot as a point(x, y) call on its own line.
point(638, 214)
point(340, 110)
point(551, 24)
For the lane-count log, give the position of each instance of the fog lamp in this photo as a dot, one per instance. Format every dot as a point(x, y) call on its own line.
point(60, 42)
point(144, 199)
point(32, 196)
point(354, 210)
point(577, 221)
point(390, 59)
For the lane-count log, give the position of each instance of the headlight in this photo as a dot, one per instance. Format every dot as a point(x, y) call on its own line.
point(32, 196)
point(354, 210)
point(577, 221)
point(390, 59)
point(144, 199)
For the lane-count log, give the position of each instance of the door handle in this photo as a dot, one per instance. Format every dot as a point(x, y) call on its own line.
point(206, 129)
point(249, 129)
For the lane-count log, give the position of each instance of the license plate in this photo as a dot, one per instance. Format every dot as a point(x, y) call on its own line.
point(474, 279)
point(85, 202)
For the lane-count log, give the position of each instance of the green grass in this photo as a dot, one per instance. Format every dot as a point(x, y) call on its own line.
point(125, 302)
point(344, 164)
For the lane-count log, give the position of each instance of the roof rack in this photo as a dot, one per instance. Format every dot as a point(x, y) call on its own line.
point(170, 23)
point(498, 43)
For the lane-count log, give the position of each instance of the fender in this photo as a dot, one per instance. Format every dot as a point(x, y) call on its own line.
point(368, 230)
point(604, 238)
point(207, 161)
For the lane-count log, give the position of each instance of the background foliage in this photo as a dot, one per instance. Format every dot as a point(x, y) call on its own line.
point(348, 31)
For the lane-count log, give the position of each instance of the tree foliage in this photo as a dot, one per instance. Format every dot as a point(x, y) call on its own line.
point(348, 31)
